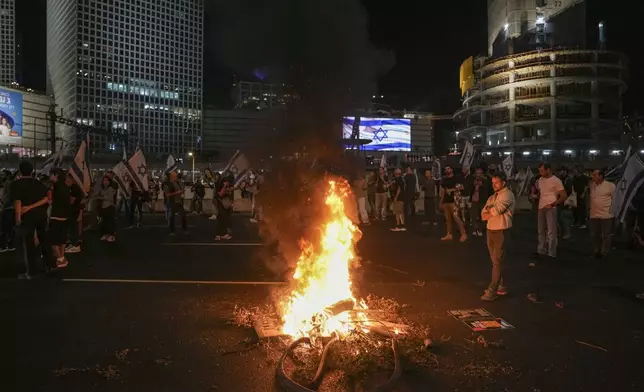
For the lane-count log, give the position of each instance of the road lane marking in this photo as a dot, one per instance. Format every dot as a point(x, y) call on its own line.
point(213, 243)
point(209, 282)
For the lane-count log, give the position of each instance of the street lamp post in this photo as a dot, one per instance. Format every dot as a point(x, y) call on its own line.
point(192, 155)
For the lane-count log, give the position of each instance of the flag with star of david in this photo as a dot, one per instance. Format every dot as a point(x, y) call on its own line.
point(170, 164)
point(467, 157)
point(79, 169)
point(508, 165)
point(122, 178)
point(238, 167)
point(627, 187)
point(137, 169)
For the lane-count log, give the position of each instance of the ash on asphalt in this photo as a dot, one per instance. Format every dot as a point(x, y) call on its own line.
point(70, 336)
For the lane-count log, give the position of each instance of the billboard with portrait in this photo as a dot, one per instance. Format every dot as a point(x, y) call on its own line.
point(10, 117)
point(386, 134)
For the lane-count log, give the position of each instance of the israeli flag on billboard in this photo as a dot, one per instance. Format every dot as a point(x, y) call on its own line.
point(10, 116)
point(386, 134)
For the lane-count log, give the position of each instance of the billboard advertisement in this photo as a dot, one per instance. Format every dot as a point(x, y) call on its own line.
point(386, 134)
point(10, 117)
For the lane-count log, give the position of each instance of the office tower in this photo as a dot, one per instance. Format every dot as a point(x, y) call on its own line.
point(7, 42)
point(130, 66)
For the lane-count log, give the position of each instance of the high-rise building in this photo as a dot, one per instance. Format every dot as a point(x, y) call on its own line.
point(543, 91)
point(7, 42)
point(130, 66)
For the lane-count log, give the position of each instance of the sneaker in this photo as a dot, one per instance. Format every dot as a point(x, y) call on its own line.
point(463, 238)
point(213, 217)
point(502, 290)
point(479, 233)
point(2, 250)
point(489, 296)
point(73, 249)
point(253, 220)
point(217, 238)
point(24, 276)
point(395, 229)
point(227, 237)
point(111, 238)
point(582, 226)
point(402, 229)
point(61, 263)
point(448, 237)
point(104, 238)
point(639, 296)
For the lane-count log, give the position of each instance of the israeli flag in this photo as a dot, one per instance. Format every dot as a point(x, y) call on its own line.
point(123, 178)
point(627, 187)
point(525, 182)
point(53, 161)
point(138, 170)
point(437, 174)
point(508, 165)
point(80, 167)
point(170, 164)
point(467, 157)
point(238, 166)
point(383, 161)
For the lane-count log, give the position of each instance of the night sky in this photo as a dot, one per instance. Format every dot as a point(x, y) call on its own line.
point(429, 41)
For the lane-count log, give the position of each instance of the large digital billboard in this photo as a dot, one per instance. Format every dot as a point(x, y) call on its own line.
point(386, 134)
point(10, 117)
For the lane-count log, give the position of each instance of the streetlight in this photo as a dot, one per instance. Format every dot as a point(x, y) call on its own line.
point(190, 154)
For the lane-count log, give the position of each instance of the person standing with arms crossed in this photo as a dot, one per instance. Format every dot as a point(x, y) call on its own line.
point(498, 213)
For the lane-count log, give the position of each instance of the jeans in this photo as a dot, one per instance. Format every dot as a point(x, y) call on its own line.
point(30, 255)
point(547, 231)
point(496, 247)
point(600, 234)
point(410, 205)
point(475, 215)
point(7, 233)
point(362, 209)
point(136, 205)
point(174, 209)
point(381, 205)
point(430, 209)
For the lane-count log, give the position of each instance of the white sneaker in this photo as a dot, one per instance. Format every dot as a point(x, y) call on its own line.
point(73, 249)
point(213, 217)
point(395, 229)
point(402, 229)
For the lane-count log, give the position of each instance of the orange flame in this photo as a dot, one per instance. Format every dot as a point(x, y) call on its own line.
point(322, 277)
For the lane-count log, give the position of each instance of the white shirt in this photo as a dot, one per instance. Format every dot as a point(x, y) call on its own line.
point(601, 199)
point(549, 188)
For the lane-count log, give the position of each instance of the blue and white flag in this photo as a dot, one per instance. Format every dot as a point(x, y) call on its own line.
point(138, 170)
point(170, 164)
point(123, 178)
point(238, 167)
point(467, 157)
point(53, 161)
point(79, 169)
point(437, 174)
point(508, 165)
point(627, 187)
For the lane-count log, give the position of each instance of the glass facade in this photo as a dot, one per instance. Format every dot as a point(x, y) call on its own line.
point(134, 67)
point(7, 42)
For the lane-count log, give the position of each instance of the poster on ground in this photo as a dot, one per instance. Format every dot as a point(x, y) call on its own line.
point(461, 314)
point(10, 117)
point(487, 324)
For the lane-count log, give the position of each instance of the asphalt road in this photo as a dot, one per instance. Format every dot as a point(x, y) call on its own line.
point(88, 335)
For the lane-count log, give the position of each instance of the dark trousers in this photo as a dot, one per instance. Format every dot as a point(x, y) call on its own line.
point(496, 246)
point(600, 234)
point(72, 222)
point(580, 211)
point(136, 205)
point(223, 219)
point(430, 209)
point(197, 204)
point(410, 205)
point(107, 220)
point(176, 208)
point(27, 246)
point(7, 229)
